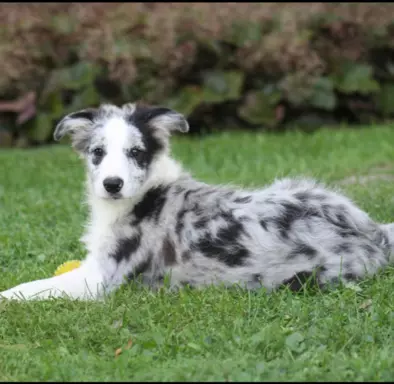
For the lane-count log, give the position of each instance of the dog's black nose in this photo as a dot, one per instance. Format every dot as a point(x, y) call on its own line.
point(113, 184)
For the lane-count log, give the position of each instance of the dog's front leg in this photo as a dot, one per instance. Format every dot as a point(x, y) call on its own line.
point(85, 283)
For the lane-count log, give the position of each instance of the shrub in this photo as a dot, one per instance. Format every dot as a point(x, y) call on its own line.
point(252, 65)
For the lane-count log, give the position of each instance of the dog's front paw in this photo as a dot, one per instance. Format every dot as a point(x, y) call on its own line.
point(26, 291)
point(10, 294)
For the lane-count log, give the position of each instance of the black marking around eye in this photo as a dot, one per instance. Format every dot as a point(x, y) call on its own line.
point(140, 156)
point(140, 119)
point(97, 156)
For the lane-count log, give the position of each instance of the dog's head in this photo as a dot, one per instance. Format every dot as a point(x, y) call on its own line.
point(120, 145)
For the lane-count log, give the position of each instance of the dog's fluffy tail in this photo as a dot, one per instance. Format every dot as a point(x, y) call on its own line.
point(388, 229)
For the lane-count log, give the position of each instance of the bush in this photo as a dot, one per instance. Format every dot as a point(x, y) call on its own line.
point(252, 66)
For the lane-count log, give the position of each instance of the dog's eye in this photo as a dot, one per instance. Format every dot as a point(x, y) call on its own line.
point(98, 152)
point(137, 154)
point(134, 152)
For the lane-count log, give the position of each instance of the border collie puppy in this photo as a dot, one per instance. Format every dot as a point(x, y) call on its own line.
point(150, 219)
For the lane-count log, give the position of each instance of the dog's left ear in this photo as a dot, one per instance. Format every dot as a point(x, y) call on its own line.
point(79, 126)
point(158, 117)
point(73, 122)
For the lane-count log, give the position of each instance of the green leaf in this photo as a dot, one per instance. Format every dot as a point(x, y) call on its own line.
point(82, 74)
point(87, 97)
point(186, 100)
point(41, 130)
point(75, 77)
point(244, 32)
point(55, 105)
point(136, 48)
point(385, 99)
point(220, 86)
point(209, 44)
point(258, 338)
point(259, 106)
point(322, 94)
point(356, 78)
point(63, 24)
point(194, 346)
point(295, 342)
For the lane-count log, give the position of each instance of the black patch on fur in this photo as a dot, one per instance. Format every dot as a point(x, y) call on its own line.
point(143, 267)
point(350, 276)
point(190, 191)
point(168, 252)
point(303, 197)
point(343, 227)
point(319, 196)
point(243, 200)
point(96, 160)
point(322, 269)
point(369, 249)
point(186, 256)
point(201, 223)
point(263, 223)
point(159, 278)
point(151, 205)
point(197, 209)
point(126, 247)
point(179, 190)
point(179, 221)
point(207, 192)
point(225, 246)
point(301, 280)
point(303, 249)
point(334, 215)
point(291, 213)
point(140, 118)
point(185, 283)
point(306, 196)
point(257, 278)
point(343, 248)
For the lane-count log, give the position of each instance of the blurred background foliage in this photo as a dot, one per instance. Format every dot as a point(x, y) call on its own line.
point(255, 66)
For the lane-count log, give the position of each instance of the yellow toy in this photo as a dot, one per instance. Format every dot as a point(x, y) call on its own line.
point(67, 267)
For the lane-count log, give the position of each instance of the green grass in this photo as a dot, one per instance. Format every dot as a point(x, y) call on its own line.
point(214, 334)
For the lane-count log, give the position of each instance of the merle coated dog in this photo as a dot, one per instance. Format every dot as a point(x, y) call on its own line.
point(150, 219)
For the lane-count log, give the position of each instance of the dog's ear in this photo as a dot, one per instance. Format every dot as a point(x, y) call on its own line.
point(169, 120)
point(69, 124)
point(78, 125)
point(161, 118)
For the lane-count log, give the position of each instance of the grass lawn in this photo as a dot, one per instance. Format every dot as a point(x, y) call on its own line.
point(214, 334)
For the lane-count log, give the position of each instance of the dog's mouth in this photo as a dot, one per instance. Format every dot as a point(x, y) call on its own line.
point(114, 196)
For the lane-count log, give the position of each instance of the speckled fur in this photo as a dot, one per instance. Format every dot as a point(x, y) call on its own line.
point(167, 223)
